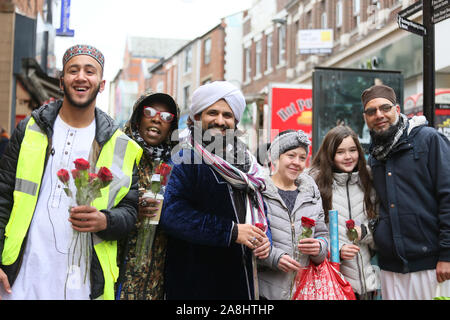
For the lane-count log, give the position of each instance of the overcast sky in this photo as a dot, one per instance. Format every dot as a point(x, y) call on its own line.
point(105, 24)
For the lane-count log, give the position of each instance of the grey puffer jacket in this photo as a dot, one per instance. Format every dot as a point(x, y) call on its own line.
point(274, 283)
point(348, 200)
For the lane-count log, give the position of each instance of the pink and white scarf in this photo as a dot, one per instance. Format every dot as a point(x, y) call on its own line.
point(252, 182)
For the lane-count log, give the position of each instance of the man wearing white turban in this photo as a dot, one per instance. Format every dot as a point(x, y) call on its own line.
point(212, 207)
point(216, 109)
point(208, 94)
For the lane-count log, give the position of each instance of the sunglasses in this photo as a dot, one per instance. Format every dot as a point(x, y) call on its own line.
point(383, 108)
point(150, 112)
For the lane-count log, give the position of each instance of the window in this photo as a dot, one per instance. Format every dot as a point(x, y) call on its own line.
point(258, 58)
point(281, 44)
point(186, 96)
point(188, 59)
point(248, 67)
point(309, 20)
point(339, 14)
point(269, 52)
point(323, 20)
point(356, 7)
point(207, 51)
point(356, 12)
point(160, 86)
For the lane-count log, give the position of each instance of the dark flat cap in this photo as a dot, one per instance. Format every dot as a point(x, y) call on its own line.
point(378, 91)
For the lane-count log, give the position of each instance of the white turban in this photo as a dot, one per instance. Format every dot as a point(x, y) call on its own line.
point(206, 95)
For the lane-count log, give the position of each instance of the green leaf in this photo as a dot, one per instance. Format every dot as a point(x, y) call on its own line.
point(68, 192)
point(84, 175)
point(156, 187)
point(307, 233)
point(352, 235)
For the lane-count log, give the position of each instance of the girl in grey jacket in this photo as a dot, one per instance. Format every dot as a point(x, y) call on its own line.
point(339, 169)
point(289, 195)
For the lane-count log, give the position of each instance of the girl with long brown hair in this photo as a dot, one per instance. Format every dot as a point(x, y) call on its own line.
point(345, 184)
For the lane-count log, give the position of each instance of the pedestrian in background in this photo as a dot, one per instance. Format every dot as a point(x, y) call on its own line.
point(37, 219)
point(411, 174)
point(210, 241)
point(339, 169)
point(154, 119)
point(289, 196)
point(4, 139)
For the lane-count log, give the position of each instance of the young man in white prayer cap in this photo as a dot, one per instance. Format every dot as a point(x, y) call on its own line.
point(213, 208)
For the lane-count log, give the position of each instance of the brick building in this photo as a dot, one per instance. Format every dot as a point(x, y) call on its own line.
point(133, 78)
point(215, 55)
point(265, 46)
point(365, 34)
point(28, 75)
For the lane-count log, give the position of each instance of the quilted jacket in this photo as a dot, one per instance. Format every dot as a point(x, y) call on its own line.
point(274, 283)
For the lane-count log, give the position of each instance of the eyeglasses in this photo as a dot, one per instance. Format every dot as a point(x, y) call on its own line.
point(383, 108)
point(150, 112)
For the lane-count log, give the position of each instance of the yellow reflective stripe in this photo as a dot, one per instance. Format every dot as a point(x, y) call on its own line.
point(30, 166)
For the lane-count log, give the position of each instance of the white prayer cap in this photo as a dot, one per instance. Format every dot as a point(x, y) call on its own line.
point(207, 94)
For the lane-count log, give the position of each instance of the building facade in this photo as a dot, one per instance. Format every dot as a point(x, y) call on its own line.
point(360, 34)
point(133, 78)
point(213, 56)
point(28, 75)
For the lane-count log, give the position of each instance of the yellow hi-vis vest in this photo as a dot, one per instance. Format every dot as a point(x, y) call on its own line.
point(118, 154)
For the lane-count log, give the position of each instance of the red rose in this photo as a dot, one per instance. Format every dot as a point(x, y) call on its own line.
point(164, 169)
point(75, 173)
point(260, 226)
point(92, 176)
point(350, 224)
point(307, 222)
point(104, 174)
point(81, 164)
point(63, 175)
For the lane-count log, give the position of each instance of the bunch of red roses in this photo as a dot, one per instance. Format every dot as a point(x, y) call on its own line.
point(88, 184)
point(88, 187)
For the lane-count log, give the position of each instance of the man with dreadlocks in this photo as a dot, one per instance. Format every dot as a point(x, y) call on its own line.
point(213, 206)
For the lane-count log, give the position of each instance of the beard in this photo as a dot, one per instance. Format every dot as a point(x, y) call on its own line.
point(228, 146)
point(80, 105)
point(386, 136)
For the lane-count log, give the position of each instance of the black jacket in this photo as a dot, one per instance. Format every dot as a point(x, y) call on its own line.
point(413, 184)
point(120, 219)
